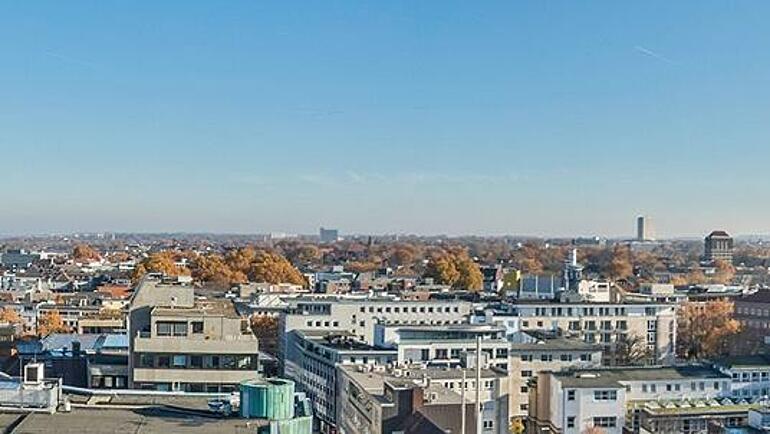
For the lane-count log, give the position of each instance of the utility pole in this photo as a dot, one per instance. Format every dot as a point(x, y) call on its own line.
point(462, 401)
point(478, 384)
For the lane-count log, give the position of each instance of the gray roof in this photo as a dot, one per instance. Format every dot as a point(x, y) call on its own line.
point(617, 377)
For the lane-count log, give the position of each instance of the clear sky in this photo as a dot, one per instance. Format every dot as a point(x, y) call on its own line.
point(459, 117)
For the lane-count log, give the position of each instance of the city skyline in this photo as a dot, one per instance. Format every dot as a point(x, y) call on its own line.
point(428, 118)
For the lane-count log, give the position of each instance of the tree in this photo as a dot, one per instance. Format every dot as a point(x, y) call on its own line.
point(51, 322)
point(724, 272)
point(160, 262)
point(10, 316)
point(632, 350)
point(265, 328)
point(704, 329)
point(273, 268)
point(620, 266)
point(85, 253)
point(457, 269)
point(213, 270)
point(516, 426)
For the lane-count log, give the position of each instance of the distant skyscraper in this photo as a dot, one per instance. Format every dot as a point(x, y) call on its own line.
point(644, 230)
point(719, 246)
point(329, 235)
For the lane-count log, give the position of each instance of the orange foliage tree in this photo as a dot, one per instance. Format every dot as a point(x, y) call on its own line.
point(51, 322)
point(704, 329)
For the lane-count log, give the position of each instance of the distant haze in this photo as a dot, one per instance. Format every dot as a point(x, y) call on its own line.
point(533, 118)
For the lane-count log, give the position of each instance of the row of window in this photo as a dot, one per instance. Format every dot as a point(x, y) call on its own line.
point(177, 328)
point(545, 357)
point(189, 387)
point(194, 361)
point(412, 309)
point(753, 377)
point(599, 422)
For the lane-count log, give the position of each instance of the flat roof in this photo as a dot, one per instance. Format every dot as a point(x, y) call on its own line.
point(202, 308)
point(139, 421)
point(751, 361)
point(614, 377)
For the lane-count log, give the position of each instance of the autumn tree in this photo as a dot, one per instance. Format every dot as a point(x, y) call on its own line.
point(84, 253)
point(704, 329)
point(620, 266)
point(457, 269)
point(273, 268)
point(160, 262)
point(51, 322)
point(213, 270)
point(10, 316)
point(724, 272)
point(516, 426)
point(265, 328)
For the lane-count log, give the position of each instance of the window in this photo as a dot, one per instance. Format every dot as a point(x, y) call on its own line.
point(570, 395)
point(605, 395)
point(526, 374)
point(585, 357)
point(571, 422)
point(546, 358)
point(524, 389)
point(179, 361)
point(489, 424)
point(168, 328)
point(605, 422)
point(164, 361)
point(566, 357)
point(197, 327)
point(196, 362)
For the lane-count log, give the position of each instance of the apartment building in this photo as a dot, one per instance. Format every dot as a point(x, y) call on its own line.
point(358, 316)
point(605, 324)
point(614, 399)
point(750, 375)
point(415, 400)
point(531, 354)
point(179, 342)
point(445, 346)
point(311, 360)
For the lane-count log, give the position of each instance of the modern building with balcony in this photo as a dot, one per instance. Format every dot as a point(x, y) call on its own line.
point(181, 343)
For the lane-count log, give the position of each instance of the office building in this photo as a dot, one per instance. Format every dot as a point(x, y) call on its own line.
point(644, 229)
point(718, 247)
point(329, 235)
point(618, 400)
point(178, 342)
point(417, 400)
point(311, 360)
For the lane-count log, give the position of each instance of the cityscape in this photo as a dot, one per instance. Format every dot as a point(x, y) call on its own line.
point(371, 217)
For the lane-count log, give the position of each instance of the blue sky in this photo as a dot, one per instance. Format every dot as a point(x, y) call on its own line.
point(544, 118)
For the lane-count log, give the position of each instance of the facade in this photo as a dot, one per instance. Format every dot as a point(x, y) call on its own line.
point(312, 359)
point(753, 312)
point(358, 316)
point(613, 399)
point(180, 343)
point(718, 247)
point(541, 354)
point(606, 324)
point(329, 235)
point(644, 230)
point(445, 346)
point(413, 400)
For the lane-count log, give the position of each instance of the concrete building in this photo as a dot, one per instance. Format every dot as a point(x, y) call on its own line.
point(537, 353)
point(753, 312)
point(414, 400)
point(446, 346)
point(311, 360)
point(718, 247)
point(328, 235)
point(180, 343)
point(644, 229)
point(613, 399)
point(358, 316)
point(605, 324)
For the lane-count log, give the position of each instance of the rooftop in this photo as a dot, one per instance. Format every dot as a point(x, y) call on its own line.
point(615, 377)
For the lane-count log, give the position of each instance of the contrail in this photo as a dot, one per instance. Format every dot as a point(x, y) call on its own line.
point(654, 55)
